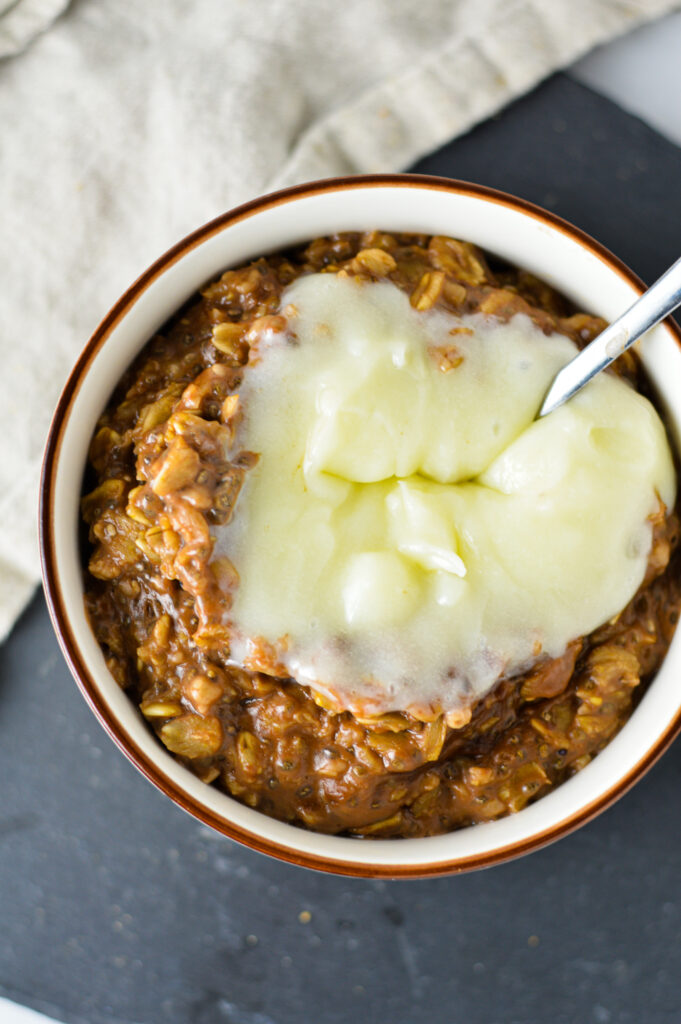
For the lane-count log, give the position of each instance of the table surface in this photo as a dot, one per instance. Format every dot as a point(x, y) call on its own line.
point(117, 908)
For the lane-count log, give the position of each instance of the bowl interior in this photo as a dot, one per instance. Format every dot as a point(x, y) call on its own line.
point(512, 231)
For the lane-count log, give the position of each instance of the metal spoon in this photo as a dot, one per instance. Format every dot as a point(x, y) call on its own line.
point(659, 301)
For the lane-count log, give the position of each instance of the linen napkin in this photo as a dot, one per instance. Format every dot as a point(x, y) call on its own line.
point(127, 124)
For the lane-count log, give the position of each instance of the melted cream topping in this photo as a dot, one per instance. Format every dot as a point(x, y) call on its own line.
point(409, 534)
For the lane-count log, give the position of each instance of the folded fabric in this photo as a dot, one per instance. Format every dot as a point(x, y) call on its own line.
point(127, 124)
point(22, 20)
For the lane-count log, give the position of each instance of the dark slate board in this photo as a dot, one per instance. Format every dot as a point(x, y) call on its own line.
point(117, 907)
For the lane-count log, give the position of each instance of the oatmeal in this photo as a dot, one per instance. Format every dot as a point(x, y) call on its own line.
point(340, 571)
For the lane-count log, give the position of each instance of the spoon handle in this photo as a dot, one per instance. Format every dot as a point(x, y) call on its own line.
point(655, 304)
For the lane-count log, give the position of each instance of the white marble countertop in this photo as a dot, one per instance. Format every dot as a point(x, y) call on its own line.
point(642, 73)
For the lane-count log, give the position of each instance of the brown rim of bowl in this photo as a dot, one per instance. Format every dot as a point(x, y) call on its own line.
point(57, 604)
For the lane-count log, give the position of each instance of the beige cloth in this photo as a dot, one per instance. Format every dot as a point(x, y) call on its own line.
point(129, 123)
point(22, 20)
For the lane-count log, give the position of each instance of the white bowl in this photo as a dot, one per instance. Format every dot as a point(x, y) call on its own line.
point(511, 228)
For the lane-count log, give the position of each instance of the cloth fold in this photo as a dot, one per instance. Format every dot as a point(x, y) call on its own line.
point(22, 20)
point(130, 124)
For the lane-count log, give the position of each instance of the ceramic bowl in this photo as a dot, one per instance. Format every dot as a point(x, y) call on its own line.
point(513, 229)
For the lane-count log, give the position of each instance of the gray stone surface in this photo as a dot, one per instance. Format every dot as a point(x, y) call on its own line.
point(117, 908)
